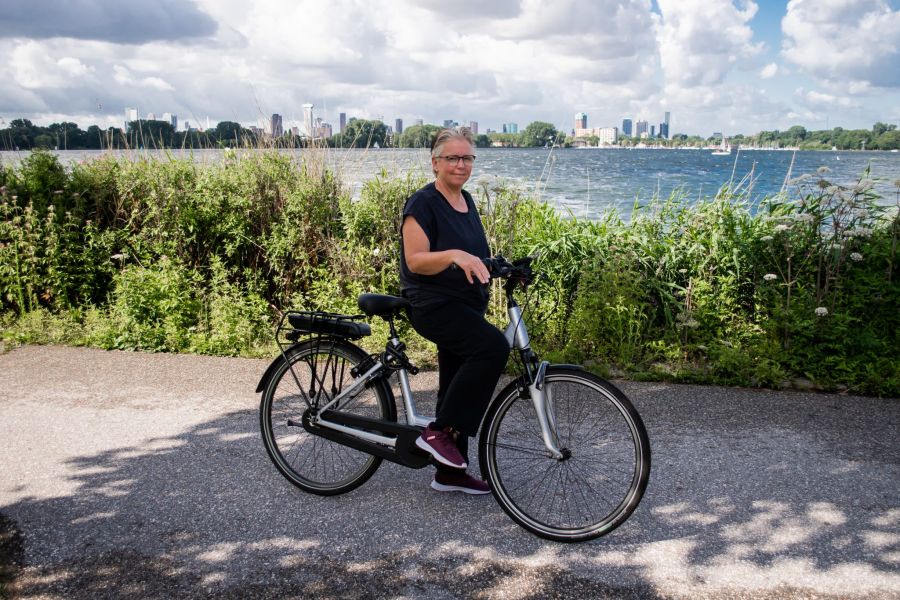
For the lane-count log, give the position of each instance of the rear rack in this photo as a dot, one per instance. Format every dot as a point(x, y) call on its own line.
point(316, 327)
point(296, 325)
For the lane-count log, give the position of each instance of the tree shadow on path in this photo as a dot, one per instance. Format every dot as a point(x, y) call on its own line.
point(750, 495)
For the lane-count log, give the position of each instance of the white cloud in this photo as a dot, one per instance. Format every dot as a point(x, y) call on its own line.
point(850, 44)
point(34, 68)
point(493, 62)
point(700, 41)
point(124, 76)
point(769, 71)
point(820, 99)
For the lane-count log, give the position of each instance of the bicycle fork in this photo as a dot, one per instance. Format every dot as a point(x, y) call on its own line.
point(542, 399)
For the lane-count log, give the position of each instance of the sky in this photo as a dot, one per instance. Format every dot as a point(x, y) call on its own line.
point(736, 66)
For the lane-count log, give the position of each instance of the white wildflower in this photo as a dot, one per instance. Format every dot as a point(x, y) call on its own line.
point(806, 218)
point(821, 311)
point(767, 238)
point(822, 170)
point(856, 256)
point(770, 276)
point(862, 213)
point(485, 180)
point(682, 271)
point(376, 251)
point(782, 227)
point(832, 189)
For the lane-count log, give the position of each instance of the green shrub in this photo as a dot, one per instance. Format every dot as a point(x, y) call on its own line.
point(153, 308)
point(176, 255)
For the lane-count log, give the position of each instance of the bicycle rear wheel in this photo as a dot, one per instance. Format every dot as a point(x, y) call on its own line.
point(319, 369)
point(606, 467)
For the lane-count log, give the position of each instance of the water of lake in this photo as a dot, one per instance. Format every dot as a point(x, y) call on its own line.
point(591, 181)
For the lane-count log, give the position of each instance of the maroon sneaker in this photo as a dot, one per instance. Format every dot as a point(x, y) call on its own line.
point(441, 445)
point(459, 482)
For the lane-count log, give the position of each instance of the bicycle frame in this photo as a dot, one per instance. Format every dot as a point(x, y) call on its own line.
point(516, 334)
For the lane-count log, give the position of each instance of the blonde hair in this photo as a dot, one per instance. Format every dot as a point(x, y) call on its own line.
point(449, 133)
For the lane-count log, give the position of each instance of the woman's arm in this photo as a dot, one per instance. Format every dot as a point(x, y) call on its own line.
point(424, 262)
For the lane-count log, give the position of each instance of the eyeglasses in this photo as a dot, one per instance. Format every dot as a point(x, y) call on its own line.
point(468, 159)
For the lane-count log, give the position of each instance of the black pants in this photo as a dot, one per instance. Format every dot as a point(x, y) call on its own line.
point(471, 356)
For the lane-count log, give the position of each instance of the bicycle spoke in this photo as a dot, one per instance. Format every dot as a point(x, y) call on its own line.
point(311, 461)
point(543, 453)
point(583, 495)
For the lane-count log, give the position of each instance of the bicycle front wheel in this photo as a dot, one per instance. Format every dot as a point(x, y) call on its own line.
point(318, 371)
point(606, 464)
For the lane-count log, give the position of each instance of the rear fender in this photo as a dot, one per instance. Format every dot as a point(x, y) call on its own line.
point(279, 360)
point(270, 371)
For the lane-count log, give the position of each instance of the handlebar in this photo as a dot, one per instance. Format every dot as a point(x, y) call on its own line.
point(517, 272)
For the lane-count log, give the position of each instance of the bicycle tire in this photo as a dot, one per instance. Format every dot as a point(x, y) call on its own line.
point(586, 495)
point(310, 462)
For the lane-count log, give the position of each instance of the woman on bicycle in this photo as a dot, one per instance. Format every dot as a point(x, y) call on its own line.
point(446, 282)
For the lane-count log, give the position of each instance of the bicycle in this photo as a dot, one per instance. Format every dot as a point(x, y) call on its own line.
point(565, 453)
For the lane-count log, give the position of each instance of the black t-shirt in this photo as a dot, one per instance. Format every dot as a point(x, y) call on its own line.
point(446, 229)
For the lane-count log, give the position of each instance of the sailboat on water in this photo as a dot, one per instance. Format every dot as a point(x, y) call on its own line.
point(724, 149)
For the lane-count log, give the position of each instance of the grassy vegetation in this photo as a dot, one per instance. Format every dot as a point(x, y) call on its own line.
point(173, 255)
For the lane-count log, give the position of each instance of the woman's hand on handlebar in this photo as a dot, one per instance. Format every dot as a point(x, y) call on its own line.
point(519, 269)
point(472, 266)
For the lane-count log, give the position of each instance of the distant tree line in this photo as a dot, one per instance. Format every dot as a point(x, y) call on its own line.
point(360, 133)
point(22, 134)
point(881, 137)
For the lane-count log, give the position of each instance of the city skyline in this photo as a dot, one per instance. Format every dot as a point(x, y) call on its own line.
point(736, 66)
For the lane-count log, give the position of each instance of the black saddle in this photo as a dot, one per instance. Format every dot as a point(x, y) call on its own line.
point(381, 305)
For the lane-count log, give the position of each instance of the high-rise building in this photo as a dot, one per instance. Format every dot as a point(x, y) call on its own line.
point(398, 125)
point(131, 114)
point(667, 117)
point(640, 127)
point(420, 122)
point(473, 127)
point(343, 122)
point(151, 116)
point(321, 129)
point(664, 130)
point(171, 120)
point(626, 127)
point(608, 135)
point(510, 128)
point(580, 121)
point(275, 129)
point(308, 123)
point(653, 131)
point(450, 123)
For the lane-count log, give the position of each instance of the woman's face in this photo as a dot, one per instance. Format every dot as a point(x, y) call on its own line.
point(454, 175)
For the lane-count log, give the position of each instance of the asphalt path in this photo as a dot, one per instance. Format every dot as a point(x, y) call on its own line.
point(143, 475)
